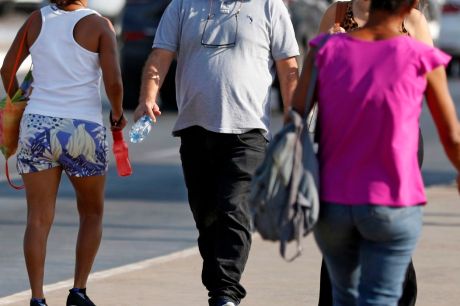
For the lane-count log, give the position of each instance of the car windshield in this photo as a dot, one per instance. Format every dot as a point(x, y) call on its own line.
point(139, 13)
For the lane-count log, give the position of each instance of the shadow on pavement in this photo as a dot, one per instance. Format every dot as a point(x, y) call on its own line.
point(165, 183)
point(148, 183)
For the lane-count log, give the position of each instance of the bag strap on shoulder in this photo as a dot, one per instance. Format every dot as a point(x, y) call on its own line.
point(10, 85)
point(20, 51)
point(313, 77)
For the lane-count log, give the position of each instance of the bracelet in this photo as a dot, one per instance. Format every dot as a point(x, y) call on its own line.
point(115, 123)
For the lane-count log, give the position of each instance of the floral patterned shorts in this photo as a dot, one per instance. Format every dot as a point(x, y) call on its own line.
point(78, 146)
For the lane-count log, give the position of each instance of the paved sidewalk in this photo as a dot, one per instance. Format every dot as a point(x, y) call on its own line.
point(175, 280)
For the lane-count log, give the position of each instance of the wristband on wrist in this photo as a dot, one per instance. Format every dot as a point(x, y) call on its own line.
point(115, 123)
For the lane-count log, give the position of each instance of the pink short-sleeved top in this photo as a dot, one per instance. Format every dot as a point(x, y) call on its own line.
point(370, 99)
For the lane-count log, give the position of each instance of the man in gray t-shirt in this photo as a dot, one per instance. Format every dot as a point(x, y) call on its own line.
point(228, 52)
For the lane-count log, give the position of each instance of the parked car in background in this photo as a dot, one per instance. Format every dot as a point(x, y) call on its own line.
point(449, 36)
point(3, 6)
point(27, 4)
point(139, 24)
point(108, 8)
point(111, 9)
point(7, 6)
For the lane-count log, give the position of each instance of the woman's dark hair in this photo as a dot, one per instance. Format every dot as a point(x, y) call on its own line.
point(390, 5)
point(62, 3)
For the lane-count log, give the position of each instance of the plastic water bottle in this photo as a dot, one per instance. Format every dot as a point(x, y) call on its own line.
point(140, 129)
point(120, 151)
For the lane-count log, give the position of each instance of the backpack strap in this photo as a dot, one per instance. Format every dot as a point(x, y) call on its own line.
point(340, 11)
point(10, 86)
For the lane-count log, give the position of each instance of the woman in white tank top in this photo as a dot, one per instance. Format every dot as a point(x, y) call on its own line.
point(72, 47)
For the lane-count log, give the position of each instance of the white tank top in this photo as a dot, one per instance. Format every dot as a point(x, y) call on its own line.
point(67, 77)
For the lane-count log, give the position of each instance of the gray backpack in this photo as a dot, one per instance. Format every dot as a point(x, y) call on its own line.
point(284, 190)
point(284, 194)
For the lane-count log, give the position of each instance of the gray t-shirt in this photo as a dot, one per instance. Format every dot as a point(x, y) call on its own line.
point(225, 89)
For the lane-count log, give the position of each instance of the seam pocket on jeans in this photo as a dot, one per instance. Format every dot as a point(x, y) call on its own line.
point(387, 213)
point(253, 139)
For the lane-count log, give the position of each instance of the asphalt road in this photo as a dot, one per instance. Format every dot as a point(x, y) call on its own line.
point(146, 214)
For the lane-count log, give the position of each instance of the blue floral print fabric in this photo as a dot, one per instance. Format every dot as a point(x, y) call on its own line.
point(78, 146)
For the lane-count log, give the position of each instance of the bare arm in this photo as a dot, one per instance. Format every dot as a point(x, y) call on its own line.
point(300, 94)
point(443, 111)
point(8, 70)
point(153, 76)
point(418, 28)
point(288, 75)
point(108, 56)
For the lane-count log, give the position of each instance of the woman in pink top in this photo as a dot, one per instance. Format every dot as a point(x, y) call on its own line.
point(348, 16)
point(370, 87)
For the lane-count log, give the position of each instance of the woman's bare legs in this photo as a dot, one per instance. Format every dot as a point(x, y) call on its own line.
point(41, 191)
point(90, 202)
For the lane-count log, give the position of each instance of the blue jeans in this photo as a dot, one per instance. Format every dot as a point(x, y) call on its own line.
point(367, 249)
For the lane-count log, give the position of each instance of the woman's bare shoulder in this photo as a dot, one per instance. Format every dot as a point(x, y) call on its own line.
point(417, 26)
point(415, 14)
point(34, 25)
point(328, 19)
point(92, 30)
point(99, 22)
